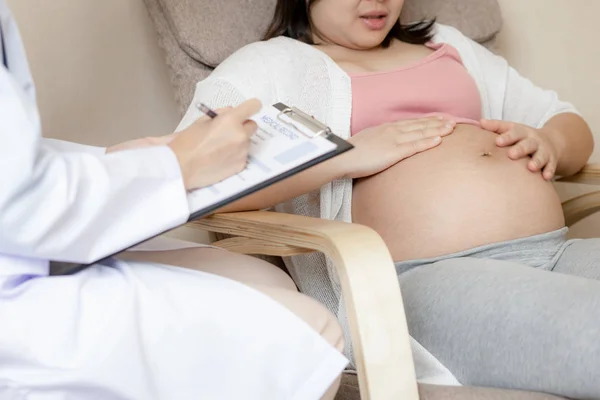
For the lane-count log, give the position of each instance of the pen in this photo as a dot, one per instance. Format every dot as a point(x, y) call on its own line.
point(206, 110)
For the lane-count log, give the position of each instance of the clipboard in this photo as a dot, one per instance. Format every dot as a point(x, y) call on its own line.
point(295, 120)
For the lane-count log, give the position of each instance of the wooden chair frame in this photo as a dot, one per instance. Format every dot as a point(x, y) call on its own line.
point(372, 296)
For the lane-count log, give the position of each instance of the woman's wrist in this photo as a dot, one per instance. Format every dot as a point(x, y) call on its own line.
point(572, 139)
point(338, 167)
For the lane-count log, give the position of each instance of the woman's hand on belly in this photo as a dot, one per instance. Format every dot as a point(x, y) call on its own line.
point(378, 148)
point(524, 142)
point(375, 150)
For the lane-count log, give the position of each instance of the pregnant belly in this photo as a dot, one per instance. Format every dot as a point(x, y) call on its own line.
point(462, 194)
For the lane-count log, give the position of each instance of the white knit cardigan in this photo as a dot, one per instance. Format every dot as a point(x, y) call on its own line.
point(297, 74)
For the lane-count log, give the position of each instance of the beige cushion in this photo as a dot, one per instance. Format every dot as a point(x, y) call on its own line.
point(211, 30)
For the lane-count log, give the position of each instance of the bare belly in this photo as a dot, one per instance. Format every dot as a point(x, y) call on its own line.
point(453, 198)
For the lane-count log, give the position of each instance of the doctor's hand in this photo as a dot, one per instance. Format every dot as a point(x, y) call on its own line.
point(211, 150)
point(380, 147)
point(525, 141)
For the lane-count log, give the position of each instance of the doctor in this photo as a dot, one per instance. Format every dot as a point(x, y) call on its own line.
point(133, 329)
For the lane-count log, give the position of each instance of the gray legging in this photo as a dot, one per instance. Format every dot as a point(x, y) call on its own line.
point(523, 314)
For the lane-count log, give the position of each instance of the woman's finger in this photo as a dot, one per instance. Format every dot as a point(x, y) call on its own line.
point(511, 136)
point(403, 137)
point(496, 126)
point(539, 160)
point(523, 148)
point(417, 146)
point(404, 122)
point(424, 125)
point(550, 169)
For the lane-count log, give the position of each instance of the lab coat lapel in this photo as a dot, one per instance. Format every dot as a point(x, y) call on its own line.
point(3, 48)
point(16, 58)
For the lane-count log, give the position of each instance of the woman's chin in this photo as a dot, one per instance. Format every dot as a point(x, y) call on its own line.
point(369, 41)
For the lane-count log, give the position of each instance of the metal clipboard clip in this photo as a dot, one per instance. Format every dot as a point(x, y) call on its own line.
point(308, 122)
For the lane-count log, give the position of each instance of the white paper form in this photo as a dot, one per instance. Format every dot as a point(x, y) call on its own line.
point(278, 146)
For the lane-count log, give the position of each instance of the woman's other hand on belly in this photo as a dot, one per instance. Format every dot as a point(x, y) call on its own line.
point(525, 141)
point(380, 147)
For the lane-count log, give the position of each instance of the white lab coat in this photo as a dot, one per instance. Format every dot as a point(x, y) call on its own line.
point(123, 330)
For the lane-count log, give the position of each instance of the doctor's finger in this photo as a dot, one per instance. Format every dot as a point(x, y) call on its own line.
point(250, 127)
point(244, 111)
point(205, 118)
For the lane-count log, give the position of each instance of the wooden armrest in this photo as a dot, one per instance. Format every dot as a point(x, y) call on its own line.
point(590, 175)
point(581, 207)
point(371, 291)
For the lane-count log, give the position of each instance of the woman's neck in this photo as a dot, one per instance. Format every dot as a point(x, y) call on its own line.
point(336, 51)
point(375, 59)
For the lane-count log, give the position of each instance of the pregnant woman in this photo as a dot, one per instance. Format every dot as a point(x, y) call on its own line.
point(452, 167)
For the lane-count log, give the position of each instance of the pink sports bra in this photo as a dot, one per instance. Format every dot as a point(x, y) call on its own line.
point(439, 84)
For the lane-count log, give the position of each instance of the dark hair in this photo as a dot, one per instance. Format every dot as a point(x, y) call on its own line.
point(292, 19)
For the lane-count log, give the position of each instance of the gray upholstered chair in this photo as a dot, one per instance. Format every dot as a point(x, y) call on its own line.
point(196, 36)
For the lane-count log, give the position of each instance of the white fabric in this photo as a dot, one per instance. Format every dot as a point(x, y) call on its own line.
point(147, 332)
point(297, 74)
point(134, 331)
point(70, 147)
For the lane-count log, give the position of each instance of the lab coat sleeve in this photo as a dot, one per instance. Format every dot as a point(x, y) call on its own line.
point(77, 206)
point(64, 146)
